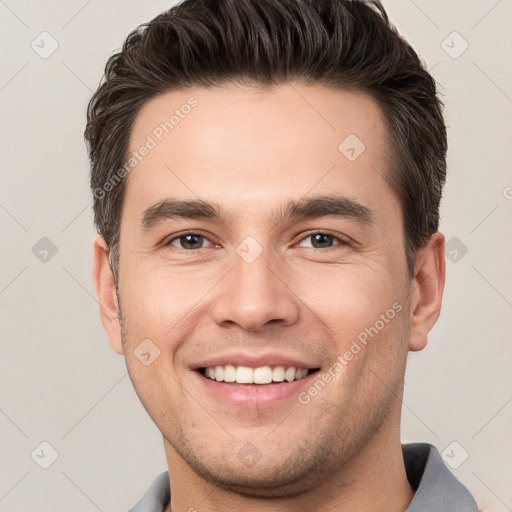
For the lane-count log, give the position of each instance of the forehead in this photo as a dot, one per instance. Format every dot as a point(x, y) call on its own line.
point(247, 147)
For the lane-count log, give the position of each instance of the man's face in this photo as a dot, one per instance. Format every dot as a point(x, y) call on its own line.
point(258, 283)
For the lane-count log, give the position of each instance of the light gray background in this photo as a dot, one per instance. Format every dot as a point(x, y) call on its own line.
point(59, 380)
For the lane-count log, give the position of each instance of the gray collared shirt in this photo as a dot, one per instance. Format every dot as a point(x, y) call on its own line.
point(436, 489)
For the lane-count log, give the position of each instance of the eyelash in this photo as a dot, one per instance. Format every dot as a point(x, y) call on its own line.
point(342, 241)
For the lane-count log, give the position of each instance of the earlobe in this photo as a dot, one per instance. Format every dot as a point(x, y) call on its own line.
point(427, 290)
point(104, 285)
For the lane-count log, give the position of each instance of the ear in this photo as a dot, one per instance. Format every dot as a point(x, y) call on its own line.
point(427, 290)
point(106, 292)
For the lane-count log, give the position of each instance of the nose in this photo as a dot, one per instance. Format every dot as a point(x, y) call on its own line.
point(253, 294)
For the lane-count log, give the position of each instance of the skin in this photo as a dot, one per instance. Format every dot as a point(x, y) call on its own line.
point(250, 152)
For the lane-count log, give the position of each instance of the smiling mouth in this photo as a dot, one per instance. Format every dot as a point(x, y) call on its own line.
point(261, 376)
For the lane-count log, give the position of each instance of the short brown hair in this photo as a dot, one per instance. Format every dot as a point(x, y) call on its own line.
point(342, 44)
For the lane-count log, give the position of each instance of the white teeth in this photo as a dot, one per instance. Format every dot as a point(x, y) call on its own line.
point(263, 375)
point(219, 373)
point(260, 375)
point(229, 373)
point(301, 373)
point(244, 375)
point(278, 374)
point(289, 374)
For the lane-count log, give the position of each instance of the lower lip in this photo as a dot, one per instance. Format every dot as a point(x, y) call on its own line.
point(255, 395)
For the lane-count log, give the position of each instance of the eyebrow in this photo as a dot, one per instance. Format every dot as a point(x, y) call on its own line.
point(302, 209)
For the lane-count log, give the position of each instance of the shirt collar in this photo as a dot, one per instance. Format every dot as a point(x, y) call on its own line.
point(436, 488)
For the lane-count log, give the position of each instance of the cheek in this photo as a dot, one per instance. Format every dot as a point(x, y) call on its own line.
point(154, 307)
point(347, 300)
point(362, 314)
point(157, 301)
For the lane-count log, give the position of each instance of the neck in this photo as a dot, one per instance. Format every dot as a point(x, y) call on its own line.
point(374, 479)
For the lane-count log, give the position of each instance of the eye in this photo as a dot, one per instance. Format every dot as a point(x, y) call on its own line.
point(188, 241)
point(321, 240)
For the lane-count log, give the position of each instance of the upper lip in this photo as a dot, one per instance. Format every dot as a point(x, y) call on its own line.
point(253, 360)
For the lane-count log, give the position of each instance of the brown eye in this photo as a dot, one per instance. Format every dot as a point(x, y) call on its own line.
point(321, 240)
point(188, 241)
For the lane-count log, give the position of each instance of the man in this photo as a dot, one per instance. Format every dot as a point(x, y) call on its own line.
point(267, 178)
